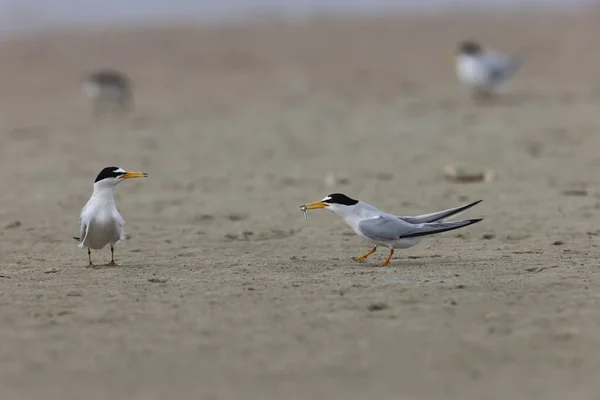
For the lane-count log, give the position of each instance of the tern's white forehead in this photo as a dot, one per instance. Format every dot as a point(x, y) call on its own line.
point(326, 198)
point(120, 171)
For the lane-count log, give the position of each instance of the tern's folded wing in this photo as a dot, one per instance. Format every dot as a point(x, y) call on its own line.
point(83, 230)
point(501, 66)
point(121, 227)
point(83, 227)
point(384, 228)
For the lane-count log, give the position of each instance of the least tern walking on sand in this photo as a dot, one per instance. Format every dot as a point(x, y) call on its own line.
point(383, 229)
point(485, 71)
point(100, 223)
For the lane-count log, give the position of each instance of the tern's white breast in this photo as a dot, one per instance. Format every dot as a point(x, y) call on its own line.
point(472, 71)
point(104, 228)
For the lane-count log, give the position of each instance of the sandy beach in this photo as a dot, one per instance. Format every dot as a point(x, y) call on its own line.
point(225, 291)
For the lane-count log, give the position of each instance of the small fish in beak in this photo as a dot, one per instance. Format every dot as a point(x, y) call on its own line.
point(304, 210)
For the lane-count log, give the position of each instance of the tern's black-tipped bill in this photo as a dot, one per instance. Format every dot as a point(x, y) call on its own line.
point(315, 205)
point(132, 175)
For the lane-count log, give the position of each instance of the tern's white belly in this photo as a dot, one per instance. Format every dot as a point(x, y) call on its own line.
point(405, 243)
point(396, 244)
point(102, 231)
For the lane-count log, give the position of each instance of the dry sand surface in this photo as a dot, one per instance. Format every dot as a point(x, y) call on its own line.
point(225, 291)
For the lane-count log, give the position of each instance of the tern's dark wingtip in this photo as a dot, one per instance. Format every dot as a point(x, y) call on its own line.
point(76, 238)
point(473, 204)
point(475, 220)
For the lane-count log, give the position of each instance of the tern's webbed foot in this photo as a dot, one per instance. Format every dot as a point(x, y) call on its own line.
point(361, 259)
point(112, 264)
point(90, 265)
point(387, 260)
point(364, 257)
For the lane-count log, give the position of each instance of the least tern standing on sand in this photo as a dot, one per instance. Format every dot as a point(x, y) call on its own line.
point(108, 88)
point(383, 229)
point(100, 223)
point(484, 71)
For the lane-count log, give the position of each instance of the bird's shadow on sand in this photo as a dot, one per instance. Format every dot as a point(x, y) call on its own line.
point(435, 261)
point(396, 263)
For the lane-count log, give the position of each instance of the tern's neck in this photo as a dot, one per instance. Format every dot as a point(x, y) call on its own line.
point(347, 212)
point(360, 210)
point(104, 192)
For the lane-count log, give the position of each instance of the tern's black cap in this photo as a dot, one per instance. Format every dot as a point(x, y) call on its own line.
point(339, 198)
point(109, 172)
point(108, 77)
point(469, 47)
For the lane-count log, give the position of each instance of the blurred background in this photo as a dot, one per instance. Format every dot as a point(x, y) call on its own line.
point(24, 15)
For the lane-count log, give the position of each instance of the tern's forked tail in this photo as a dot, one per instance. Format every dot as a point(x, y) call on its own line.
point(439, 227)
point(440, 215)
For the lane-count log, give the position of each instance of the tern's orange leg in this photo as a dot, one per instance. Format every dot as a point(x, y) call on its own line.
point(365, 256)
point(482, 96)
point(112, 262)
point(387, 260)
point(90, 265)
